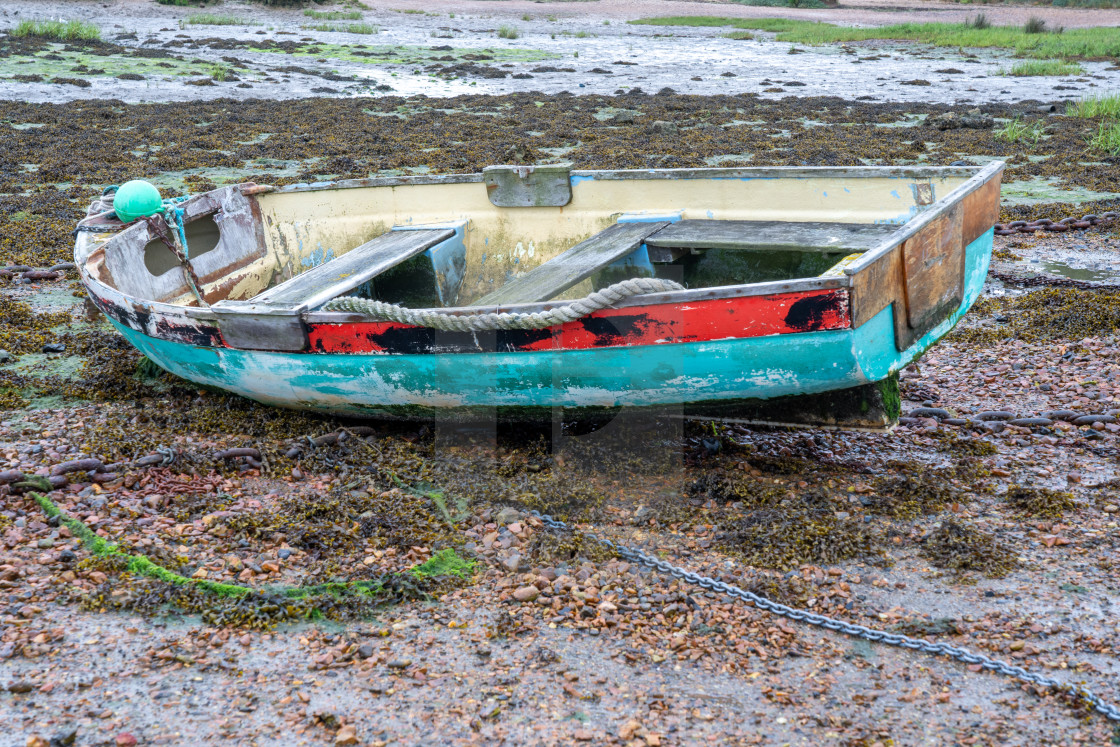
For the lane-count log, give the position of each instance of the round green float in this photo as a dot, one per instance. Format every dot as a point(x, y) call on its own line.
point(136, 199)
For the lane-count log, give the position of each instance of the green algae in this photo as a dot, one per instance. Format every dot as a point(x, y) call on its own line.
point(61, 60)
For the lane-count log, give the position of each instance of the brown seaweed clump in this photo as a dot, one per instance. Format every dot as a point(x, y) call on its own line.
point(912, 495)
point(728, 486)
point(787, 538)
point(553, 548)
point(1045, 503)
point(1048, 314)
point(961, 548)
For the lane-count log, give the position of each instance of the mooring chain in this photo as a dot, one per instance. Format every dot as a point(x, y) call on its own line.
point(634, 555)
point(1057, 226)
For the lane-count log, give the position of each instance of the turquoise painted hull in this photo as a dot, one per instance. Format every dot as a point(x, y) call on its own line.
point(374, 385)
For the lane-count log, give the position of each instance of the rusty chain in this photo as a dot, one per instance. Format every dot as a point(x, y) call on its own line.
point(633, 555)
point(1056, 226)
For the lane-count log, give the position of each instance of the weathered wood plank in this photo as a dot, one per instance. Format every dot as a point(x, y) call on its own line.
point(755, 235)
point(320, 284)
point(573, 266)
point(933, 271)
point(877, 285)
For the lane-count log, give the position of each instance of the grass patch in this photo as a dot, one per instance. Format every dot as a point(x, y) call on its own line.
point(1107, 138)
point(215, 19)
point(219, 72)
point(333, 15)
point(739, 35)
point(1017, 130)
point(1083, 43)
point(508, 32)
point(59, 30)
point(347, 28)
point(1044, 67)
point(1107, 105)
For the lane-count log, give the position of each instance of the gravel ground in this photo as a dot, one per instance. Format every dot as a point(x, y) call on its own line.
point(996, 537)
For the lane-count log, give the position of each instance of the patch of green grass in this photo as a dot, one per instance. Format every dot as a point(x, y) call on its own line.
point(59, 30)
point(333, 15)
point(1107, 138)
point(1107, 105)
point(346, 28)
point(739, 35)
point(508, 32)
point(1083, 43)
point(186, 3)
point(219, 72)
point(215, 19)
point(1044, 67)
point(1016, 130)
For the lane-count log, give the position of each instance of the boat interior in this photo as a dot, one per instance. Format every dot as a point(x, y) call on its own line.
point(513, 235)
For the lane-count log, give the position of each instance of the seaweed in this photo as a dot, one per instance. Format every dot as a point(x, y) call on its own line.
point(787, 538)
point(1041, 502)
point(959, 547)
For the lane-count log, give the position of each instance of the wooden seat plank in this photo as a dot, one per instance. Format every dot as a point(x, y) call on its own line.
point(573, 266)
point(756, 235)
point(314, 287)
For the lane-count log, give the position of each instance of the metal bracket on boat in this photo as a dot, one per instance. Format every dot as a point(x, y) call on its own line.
point(529, 186)
point(250, 326)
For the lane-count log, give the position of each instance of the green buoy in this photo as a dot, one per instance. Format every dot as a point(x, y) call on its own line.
point(136, 199)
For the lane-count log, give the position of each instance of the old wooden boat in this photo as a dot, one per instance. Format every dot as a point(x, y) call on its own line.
point(792, 281)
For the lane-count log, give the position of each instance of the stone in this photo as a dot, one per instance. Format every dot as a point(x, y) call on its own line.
point(642, 515)
point(662, 127)
point(5, 356)
point(346, 735)
point(1111, 508)
point(64, 738)
point(512, 562)
point(365, 651)
point(507, 515)
point(20, 687)
point(124, 739)
point(526, 593)
point(283, 553)
point(399, 664)
point(54, 347)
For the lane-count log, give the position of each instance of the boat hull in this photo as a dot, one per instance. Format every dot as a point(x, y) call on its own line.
point(524, 383)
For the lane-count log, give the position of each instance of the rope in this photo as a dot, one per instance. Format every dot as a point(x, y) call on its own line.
point(483, 321)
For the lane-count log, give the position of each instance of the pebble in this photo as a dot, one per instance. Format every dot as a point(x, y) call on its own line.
point(526, 593)
point(1111, 508)
point(512, 563)
point(346, 735)
point(399, 664)
point(5, 356)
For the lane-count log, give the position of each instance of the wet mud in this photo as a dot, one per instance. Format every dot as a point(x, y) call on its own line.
point(369, 572)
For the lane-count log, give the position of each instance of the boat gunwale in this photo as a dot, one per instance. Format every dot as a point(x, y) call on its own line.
point(86, 246)
point(927, 216)
point(715, 172)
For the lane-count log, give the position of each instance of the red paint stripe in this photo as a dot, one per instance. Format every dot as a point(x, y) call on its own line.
point(699, 321)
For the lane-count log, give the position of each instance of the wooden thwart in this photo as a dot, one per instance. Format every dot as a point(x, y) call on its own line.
point(573, 266)
point(316, 286)
point(759, 235)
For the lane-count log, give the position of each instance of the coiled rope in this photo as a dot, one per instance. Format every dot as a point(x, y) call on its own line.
point(485, 321)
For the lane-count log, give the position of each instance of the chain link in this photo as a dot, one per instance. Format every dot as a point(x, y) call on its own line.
point(634, 555)
point(1056, 226)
